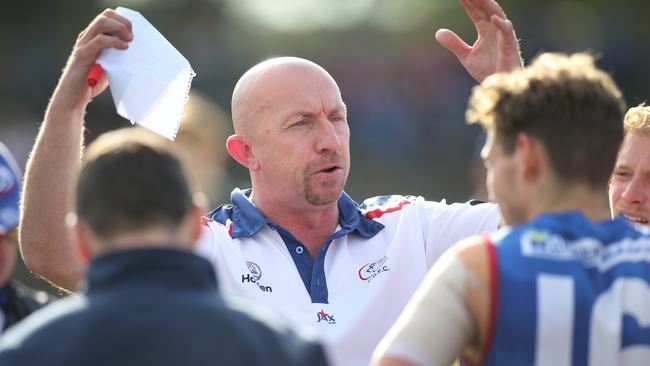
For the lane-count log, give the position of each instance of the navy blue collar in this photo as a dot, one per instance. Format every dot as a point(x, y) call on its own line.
point(149, 267)
point(248, 219)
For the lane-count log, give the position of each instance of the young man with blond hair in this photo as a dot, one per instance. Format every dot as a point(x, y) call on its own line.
point(565, 284)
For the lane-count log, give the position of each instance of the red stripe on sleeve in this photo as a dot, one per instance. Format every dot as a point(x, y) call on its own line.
point(377, 213)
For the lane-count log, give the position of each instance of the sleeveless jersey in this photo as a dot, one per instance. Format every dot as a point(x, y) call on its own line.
point(570, 291)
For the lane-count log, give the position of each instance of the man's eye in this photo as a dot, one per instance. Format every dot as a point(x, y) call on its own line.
point(623, 174)
point(299, 124)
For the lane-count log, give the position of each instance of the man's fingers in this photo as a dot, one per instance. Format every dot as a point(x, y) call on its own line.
point(507, 31)
point(88, 53)
point(453, 43)
point(491, 7)
point(105, 25)
point(508, 45)
point(478, 7)
point(470, 9)
point(117, 17)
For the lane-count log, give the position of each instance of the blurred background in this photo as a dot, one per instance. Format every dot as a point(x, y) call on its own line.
point(406, 95)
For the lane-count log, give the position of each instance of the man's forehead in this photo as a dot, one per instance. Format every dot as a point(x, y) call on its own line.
point(280, 88)
point(636, 145)
point(295, 95)
point(635, 151)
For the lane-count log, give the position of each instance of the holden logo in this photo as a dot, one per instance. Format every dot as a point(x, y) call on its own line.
point(254, 277)
point(255, 270)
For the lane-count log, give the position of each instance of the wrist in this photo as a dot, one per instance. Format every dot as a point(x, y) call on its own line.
point(62, 108)
point(66, 102)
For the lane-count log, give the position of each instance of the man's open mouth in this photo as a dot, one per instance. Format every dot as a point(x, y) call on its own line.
point(329, 169)
point(636, 219)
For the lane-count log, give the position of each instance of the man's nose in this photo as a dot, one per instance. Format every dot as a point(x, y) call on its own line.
point(636, 192)
point(327, 138)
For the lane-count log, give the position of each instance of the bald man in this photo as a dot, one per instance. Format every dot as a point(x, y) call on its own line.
point(296, 241)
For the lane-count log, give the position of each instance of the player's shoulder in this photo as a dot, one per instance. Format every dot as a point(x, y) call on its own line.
point(474, 249)
point(477, 254)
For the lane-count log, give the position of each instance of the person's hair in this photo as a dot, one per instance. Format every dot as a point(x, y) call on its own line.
point(637, 120)
point(131, 180)
point(574, 109)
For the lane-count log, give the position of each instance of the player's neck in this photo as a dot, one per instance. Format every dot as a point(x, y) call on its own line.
point(154, 237)
point(590, 202)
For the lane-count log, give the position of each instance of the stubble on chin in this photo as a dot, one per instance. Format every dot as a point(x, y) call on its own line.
point(328, 193)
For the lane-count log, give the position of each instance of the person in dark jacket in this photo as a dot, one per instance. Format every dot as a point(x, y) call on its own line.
point(16, 300)
point(146, 298)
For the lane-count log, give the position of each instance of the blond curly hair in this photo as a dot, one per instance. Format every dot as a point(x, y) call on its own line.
point(564, 101)
point(637, 120)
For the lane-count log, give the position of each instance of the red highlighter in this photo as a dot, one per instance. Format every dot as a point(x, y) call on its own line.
point(95, 73)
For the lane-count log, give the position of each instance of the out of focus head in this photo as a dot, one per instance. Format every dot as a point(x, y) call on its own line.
point(10, 185)
point(291, 132)
point(202, 134)
point(555, 125)
point(629, 190)
point(133, 191)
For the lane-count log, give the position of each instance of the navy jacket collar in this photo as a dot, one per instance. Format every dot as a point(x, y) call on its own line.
point(150, 267)
point(248, 219)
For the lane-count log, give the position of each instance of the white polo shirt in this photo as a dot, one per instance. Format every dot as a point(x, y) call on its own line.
point(361, 279)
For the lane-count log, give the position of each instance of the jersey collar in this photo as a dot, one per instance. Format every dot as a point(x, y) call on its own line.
point(248, 219)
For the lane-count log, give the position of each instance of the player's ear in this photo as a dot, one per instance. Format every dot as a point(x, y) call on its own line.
point(531, 156)
point(240, 148)
point(194, 219)
point(79, 232)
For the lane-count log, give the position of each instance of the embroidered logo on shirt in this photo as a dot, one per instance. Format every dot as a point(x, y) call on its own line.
point(373, 269)
point(324, 317)
point(254, 276)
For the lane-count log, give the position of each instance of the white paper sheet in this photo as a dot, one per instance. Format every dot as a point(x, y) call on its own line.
point(149, 81)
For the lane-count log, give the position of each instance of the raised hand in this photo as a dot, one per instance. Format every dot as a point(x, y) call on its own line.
point(54, 161)
point(107, 30)
point(496, 48)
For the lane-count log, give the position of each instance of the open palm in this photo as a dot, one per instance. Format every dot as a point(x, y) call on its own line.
point(496, 48)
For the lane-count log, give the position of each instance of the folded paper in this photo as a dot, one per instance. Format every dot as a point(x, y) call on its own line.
point(150, 80)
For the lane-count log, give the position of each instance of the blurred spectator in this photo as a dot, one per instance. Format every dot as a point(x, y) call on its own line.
point(16, 300)
point(202, 135)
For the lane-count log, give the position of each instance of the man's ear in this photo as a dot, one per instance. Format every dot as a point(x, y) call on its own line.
point(241, 149)
point(80, 235)
point(194, 220)
point(531, 157)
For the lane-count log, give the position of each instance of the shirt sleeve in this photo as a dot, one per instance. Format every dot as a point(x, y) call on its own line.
point(205, 245)
point(212, 234)
point(446, 224)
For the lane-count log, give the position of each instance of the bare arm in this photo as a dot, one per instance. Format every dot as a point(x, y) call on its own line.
point(496, 49)
point(53, 164)
point(448, 315)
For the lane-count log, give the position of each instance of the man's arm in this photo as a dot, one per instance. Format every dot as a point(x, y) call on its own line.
point(448, 316)
point(496, 49)
point(53, 164)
